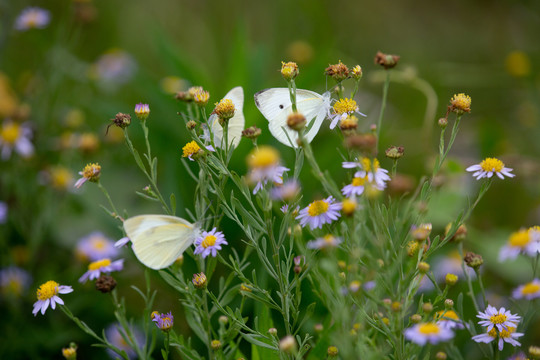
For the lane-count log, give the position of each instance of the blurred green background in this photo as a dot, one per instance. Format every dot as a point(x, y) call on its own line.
point(57, 80)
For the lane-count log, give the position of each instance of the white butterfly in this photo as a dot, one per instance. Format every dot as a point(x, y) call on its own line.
point(275, 105)
point(158, 240)
point(236, 123)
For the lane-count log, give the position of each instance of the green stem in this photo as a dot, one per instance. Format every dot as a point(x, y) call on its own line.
point(106, 193)
point(481, 286)
point(383, 105)
point(292, 92)
point(468, 278)
point(209, 326)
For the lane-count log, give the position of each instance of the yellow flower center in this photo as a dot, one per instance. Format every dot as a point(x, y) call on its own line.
point(201, 97)
point(348, 206)
point(329, 239)
point(429, 329)
point(47, 290)
point(225, 109)
point(61, 177)
point(492, 332)
point(14, 286)
point(343, 106)
point(461, 102)
point(262, 157)
point(96, 265)
point(450, 314)
point(519, 238)
point(530, 288)
point(91, 171)
point(492, 164)
point(10, 133)
point(507, 333)
point(98, 243)
point(190, 149)
point(359, 181)
point(317, 208)
point(498, 319)
point(369, 165)
point(209, 240)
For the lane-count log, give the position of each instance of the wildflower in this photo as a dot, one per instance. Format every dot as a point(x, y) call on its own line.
point(473, 260)
point(355, 188)
point(32, 18)
point(224, 110)
point(449, 319)
point(95, 246)
point(327, 242)
point(488, 167)
point(534, 351)
point(47, 294)
point(365, 143)
point(423, 267)
point(117, 336)
point(348, 207)
point(394, 152)
point(91, 172)
point(16, 137)
point(105, 283)
point(201, 97)
point(509, 336)
point(264, 165)
point(502, 319)
point(96, 268)
point(60, 177)
point(371, 169)
point(519, 356)
point(349, 125)
point(430, 332)
point(427, 307)
point(319, 212)
point(528, 291)
point(356, 72)
point(421, 232)
point(296, 121)
point(14, 281)
point(441, 355)
point(442, 122)
point(199, 281)
point(299, 263)
point(251, 132)
point(215, 345)
point(289, 70)
point(525, 241)
point(451, 279)
point(209, 243)
point(385, 60)
point(460, 233)
point(192, 150)
point(288, 344)
point(416, 318)
point(338, 72)
point(332, 351)
point(114, 68)
point(142, 111)
point(286, 192)
point(343, 108)
point(163, 321)
point(460, 103)
point(70, 353)
point(191, 124)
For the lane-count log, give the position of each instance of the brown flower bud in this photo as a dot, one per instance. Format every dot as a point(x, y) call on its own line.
point(473, 260)
point(385, 60)
point(251, 132)
point(105, 283)
point(338, 72)
point(296, 121)
point(394, 152)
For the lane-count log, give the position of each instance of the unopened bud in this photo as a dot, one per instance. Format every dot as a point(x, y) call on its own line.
point(440, 355)
point(191, 125)
point(443, 123)
point(332, 351)
point(427, 307)
point(386, 61)
point(288, 344)
point(296, 121)
point(289, 70)
point(451, 279)
point(105, 284)
point(416, 318)
point(272, 331)
point(395, 152)
point(338, 72)
point(473, 260)
point(251, 132)
point(215, 345)
point(448, 303)
point(199, 281)
point(423, 267)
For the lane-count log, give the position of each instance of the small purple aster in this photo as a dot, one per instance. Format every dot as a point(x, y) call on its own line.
point(502, 319)
point(163, 321)
point(105, 266)
point(319, 212)
point(209, 243)
point(96, 246)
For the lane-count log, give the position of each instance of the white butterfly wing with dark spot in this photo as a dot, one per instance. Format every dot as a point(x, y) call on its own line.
point(236, 123)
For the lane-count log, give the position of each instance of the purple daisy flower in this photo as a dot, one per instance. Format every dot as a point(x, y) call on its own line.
point(502, 319)
point(355, 188)
point(47, 294)
point(319, 212)
point(428, 333)
point(163, 321)
point(209, 243)
point(105, 266)
point(96, 246)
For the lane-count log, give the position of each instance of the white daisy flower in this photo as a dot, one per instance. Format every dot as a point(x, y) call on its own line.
point(327, 242)
point(32, 18)
point(528, 291)
point(47, 294)
point(502, 319)
point(524, 241)
point(370, 168)
point(319, 212)
point(505, 336)
point(448, 319)
point(488, 167)
point(14, 136)
point(96, 268)
point(424, 333)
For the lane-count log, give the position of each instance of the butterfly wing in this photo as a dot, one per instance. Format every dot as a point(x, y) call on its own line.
point(236, 123)
point(158, 240)
point(275, 105)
